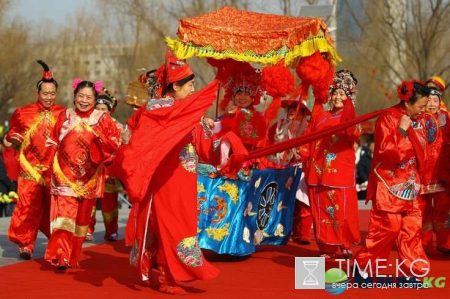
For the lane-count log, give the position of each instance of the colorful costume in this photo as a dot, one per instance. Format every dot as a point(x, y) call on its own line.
point(394, 184)
point(330, 173)
point(109, 203)
point(434, 200)
point(163, 220)
point(31, 125)
point(83, 143)
point(247, 123)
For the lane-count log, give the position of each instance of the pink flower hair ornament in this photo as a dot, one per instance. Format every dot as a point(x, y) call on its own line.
point(76, 82)
point(98, 85)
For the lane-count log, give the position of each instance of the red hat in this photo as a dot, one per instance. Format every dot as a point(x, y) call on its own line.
point(438, 81)
point(237, 76)
point(176, 69)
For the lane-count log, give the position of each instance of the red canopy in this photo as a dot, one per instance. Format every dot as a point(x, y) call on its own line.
point(251, 36)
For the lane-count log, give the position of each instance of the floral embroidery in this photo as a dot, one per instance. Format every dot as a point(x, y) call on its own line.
point(218, 233)
point(331, 209)
point(189, 252)
point(161, 103)
point(329, 157)
point(231, 189)
point(188, 158)
point(134, 254)
point(207, 132)
point(246, 128)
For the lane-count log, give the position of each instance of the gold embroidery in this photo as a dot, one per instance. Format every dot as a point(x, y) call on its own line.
point(63, 223)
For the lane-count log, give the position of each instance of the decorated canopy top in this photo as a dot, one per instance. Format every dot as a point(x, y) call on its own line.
point(252, 37)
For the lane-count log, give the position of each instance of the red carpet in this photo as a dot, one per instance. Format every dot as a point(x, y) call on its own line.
point(268, 273)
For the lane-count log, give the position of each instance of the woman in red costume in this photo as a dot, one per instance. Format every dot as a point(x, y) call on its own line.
point(242, 89)
point(330, 171)
point(394, 184)
point(110, 201)
point(434, 200)
point(83, 140)
point(169, 139)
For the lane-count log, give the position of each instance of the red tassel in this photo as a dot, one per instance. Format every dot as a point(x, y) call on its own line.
point(277, 80)
point(272, 111)
point(318, 72)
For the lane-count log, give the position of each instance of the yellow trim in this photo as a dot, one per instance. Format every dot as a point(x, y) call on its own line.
point(63, 223)
point(306, 48)
point(36, 175)
point(79, 188)
point(80, 231)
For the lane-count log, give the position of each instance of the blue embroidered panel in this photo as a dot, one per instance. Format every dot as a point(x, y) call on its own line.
point(236, 216)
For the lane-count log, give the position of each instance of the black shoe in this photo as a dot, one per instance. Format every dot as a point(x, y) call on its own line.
point(25, 253)
point(61, 268)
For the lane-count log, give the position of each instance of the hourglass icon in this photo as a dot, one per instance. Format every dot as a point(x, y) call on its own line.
point(310, 279)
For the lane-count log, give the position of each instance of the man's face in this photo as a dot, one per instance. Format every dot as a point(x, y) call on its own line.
point(47, 95)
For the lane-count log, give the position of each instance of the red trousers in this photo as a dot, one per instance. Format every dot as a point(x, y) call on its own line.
point(385, 230)
point(110, 212)
point(70, 219)
point(31, 214)
point(335, 215)
point(302, 222)
point(435, 209)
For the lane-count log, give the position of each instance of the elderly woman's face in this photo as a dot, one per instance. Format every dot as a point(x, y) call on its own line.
point(85, 99)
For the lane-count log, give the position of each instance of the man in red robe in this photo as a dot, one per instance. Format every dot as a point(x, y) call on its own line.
point(29, 127)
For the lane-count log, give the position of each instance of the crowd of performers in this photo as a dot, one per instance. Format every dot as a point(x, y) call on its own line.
point(70, 157)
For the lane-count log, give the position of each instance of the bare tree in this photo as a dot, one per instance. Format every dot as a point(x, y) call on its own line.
point(15, 77)
point(391, 41)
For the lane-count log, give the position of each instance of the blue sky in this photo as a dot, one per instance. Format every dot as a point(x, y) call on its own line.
point(38, 10)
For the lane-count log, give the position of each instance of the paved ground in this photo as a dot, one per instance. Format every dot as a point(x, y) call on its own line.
point(9, 251)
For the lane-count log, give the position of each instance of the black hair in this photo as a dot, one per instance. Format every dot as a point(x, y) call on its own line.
point(169, 88)
point(84, 84)
point(47, 76)
point(420, 91)
point(105, 99)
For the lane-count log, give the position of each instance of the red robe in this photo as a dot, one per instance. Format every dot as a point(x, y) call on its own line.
point(434, 201)
point(31, 125)
point(330, 175)
point(394, 184)
point(109, 203)
point(83, 143)
point(247, 123)
point(159, 170)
